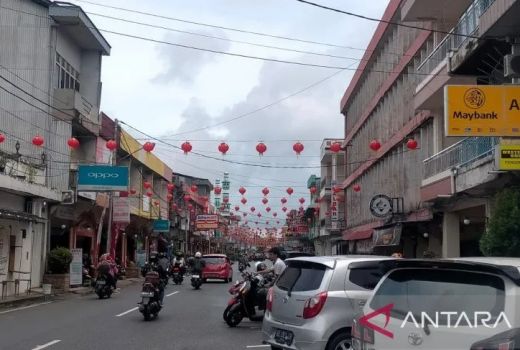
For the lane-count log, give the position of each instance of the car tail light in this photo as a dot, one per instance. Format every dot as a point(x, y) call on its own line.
point(501, 341)
point(270, 296)
point(364, 335)
point(314, 305)
point(509, 345)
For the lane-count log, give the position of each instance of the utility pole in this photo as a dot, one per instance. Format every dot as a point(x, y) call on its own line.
point(111, 203)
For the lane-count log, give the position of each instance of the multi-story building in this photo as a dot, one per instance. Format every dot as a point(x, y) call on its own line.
point(50, 89)
point(416, 189)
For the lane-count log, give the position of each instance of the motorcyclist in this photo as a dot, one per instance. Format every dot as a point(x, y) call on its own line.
point(179, 262)
point(108, 267)
point(197, 264)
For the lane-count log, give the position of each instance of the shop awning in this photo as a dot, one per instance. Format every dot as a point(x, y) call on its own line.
point(357, 235)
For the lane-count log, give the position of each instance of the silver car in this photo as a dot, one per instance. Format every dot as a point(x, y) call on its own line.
point(313, 303)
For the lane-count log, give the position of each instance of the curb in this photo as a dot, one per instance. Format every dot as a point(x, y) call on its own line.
point(6, 305)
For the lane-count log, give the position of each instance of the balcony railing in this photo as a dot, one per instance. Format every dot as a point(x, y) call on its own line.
point(467, 26)
point(459, 154)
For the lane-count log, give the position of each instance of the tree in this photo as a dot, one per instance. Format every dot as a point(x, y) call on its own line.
point(59, 260)
point(502, 237)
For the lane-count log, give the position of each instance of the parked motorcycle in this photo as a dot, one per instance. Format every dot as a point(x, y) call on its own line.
point(177, 275)
point(150, 304)
point(196, 281)
point(102, 286)
point(249, 296)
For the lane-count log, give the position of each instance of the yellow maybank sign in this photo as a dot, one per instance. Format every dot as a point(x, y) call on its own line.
point(482, 110)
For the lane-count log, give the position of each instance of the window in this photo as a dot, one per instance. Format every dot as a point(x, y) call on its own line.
point(365, 277)
point(66, 76)
point(301, 276)
point(214, 260)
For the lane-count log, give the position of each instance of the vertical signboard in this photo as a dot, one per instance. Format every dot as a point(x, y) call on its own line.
point(76, 267)
point(121, 210)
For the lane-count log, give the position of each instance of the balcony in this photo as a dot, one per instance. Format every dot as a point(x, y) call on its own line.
point(421, 10)
point(325, 188)
point(325, 153)
point(70, 104)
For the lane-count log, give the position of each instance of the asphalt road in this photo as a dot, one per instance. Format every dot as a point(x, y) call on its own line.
point(191, 319)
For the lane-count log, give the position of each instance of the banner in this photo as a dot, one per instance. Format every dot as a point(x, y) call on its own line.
point(76, 267)
point(206, 222)
point(387, 236)
point(121, 210)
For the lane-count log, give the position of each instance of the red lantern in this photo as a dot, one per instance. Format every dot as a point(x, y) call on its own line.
point(313, 190)
point(169, 196)
point(261, 148)
point(265, 200)
point(253, 209)
point(302, 200)
point(217, 190)
point(170, 187)
point(187, 198)
point(283, 200)
point(147, 185)
point(267, 222)
point(268, 209)
point(284, 209)
point(243, 201)
point(194, 188)
point(2, 138)
point(298, 148)
point(237, 208)
point(278, 222)
point(133, 191)
point(290, 191)
point(174, 206)
point(244, 214)
point(149, 194)
point(242, 190)
point(275, 214)
point(375, 145)
point(412, 144)
point(72, 142)
point(259, 215)
point(111, 145)
point(337, 189)
point(356, 188)
point(225, 200)
point(223, 148)
point(265, 191)
point(148, 146)
point(335, 147)
point(38, 141)
point(190, 206)
point(186, 147)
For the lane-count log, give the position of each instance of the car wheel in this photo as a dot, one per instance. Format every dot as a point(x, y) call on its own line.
point(341, 341)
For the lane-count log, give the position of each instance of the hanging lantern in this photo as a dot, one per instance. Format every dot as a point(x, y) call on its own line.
point(275, 214)
point(356, 188)
point(412, 144)
point(174, 206)
point(186, 147)
point(149, 194)
point(169, 196)
point(335, 147)
point(261, 148)
point(298, 148)
point(290, 191)
point(259, 215)
point(278, 222)
point(2, 138)
point(148, 146)
point(190, 206)
point(253, 209)
point(375, 145)
point(265, 200)
point(243, 201)
point(133, 191)
point(284, 209)
point(187, 198)
point(313, 190)
point(147, 185)
point(73, 143)
point(38, 141)
point(111, 145)
point(217, 190)
point(337, 189)
point(283, 200)
point(268, 209)
point(194, 188)
point(265, 191)
point(301, 200)
point(225, 200)
point(237, 208)
point(242, 190)
point(267, 222)
point(244, 214)
point(170, 187)
point(223, 148)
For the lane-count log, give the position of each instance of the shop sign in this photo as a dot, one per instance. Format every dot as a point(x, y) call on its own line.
point(102, 178)
point(507, 157)
point(482, 110)
point(206, 222)
point(76, 267)
point(387, 236)
point(121, 210)
point(161, 225)
point(140, 258)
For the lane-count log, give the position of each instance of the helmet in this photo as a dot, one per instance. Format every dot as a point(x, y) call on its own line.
point(261, 267)
point(198, 255)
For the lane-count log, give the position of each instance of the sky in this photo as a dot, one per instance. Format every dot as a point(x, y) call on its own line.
point(167, 91)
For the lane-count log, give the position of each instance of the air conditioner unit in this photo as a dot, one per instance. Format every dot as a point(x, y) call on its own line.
point(68, 197)
point(512, 66)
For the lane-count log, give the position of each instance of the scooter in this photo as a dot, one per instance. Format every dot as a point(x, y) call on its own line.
point(102, 287)
point(177, 275)
point(234, 291)
point(251, 295)
point(196, 281)
point(150, 304)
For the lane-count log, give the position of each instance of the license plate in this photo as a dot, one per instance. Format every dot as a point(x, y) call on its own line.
point(101, 283)
point(195, 276)
point(283, 337)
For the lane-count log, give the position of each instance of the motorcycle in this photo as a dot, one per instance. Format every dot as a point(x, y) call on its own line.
point(150, 304)
point(248, 296)
point(102, 287)
point(196, 281)
point(177, 275)
point(242, 266)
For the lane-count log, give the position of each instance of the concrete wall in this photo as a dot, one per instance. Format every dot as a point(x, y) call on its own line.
point(90, 76)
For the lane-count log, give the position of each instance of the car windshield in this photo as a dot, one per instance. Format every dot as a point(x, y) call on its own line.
point(301, 276)
point(438, 292)
point(214, 260)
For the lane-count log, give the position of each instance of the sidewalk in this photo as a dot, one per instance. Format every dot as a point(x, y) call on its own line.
point(36, 295)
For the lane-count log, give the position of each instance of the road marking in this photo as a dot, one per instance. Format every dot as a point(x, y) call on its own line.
point(39, 347)
point(257, 346)
point(24, 307)
point(127, 312)
point(169, 295)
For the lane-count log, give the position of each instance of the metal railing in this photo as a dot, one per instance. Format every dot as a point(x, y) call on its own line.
point(466, 26)
point(459, 154)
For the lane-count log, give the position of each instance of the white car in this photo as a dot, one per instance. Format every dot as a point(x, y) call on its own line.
point(458, 304)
